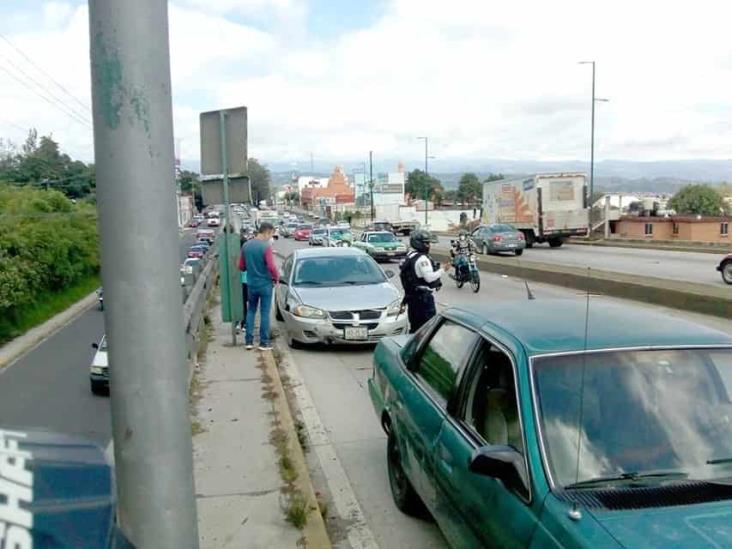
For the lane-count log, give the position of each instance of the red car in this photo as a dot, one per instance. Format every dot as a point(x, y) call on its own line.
point(194, 222)
point(725, 267)
point(196, 252)
point(303, 232)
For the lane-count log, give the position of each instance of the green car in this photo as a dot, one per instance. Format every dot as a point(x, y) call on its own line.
point(381, 245)
point(515, 429)
point(338, 236)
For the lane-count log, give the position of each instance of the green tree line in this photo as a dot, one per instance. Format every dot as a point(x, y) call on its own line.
point(48, 244)
point(469, 191)
point(39, 162)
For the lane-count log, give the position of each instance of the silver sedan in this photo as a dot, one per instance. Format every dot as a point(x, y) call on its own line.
point(337, 295)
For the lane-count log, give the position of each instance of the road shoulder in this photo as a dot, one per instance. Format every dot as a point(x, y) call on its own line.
point(16, 348)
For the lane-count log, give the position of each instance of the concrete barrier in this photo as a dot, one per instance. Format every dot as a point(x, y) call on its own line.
point(693, 247)
point(688, 296)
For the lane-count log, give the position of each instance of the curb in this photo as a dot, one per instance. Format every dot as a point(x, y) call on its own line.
point(16, 348)
point(687, 296)
point(314, 532)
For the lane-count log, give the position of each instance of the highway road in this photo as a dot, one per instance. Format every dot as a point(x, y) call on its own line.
point(49, 386)
point(336, 379)
point(683, 266)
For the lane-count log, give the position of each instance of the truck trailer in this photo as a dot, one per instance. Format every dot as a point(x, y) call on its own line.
point(546, 207)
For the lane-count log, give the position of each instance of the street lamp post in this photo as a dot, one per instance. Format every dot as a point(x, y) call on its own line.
point(592, 138)
point(426, 173)
point(371, 183)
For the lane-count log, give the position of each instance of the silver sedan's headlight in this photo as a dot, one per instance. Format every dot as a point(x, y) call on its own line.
point(97, 370)
point(395, 308)
point(305, 311)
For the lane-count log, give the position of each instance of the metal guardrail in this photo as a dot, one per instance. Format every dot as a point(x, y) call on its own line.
point(194, 307)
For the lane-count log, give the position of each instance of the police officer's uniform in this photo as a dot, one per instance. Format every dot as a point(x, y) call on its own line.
point(420, 277)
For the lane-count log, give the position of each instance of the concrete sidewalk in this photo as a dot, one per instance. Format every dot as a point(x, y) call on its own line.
point(238, 485)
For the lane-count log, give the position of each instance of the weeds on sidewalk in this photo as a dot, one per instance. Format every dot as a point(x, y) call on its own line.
point(297, 511)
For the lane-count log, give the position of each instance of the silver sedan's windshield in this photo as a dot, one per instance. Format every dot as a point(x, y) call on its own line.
point(636, 412)
point(338, 271)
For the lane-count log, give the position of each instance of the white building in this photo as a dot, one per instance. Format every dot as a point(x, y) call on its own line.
point(311, 181)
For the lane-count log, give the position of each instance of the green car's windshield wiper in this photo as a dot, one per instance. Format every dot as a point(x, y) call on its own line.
point(635, 475)
point(718, 461)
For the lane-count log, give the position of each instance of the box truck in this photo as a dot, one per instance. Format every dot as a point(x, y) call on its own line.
point(546, 207)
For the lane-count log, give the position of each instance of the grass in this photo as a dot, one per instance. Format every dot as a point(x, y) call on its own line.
point(296, 510)
point(47, 305)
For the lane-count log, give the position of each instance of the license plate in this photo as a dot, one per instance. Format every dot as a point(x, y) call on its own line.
point(511, 245)
point(389, 253)
point(356, 332)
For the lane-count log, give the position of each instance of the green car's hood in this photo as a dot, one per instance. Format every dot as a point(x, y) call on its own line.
point(700, 525)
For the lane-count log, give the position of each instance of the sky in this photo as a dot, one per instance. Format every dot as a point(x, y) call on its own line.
point(337, 78)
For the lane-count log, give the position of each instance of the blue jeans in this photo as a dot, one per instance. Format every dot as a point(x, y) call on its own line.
point(259, 298)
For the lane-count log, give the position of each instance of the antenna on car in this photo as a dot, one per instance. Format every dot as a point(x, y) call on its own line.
point(529, 293)
point(574, 513)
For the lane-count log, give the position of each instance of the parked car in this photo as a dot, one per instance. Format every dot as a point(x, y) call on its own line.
point(499, 237)
point(317, 236)
point(194, 222)
point(338, 236)
point(303, 232)
point(190, 265)
point(203, 242)
point(206, 234)
point(99, 369)
point(526, 423)
point(725, 267)
point(337, 295)
point(196, 251)
point(381, 245)
point(213, 222)
point(288, 230)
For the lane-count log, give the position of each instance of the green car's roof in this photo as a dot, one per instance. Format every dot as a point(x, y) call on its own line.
point(558, 325)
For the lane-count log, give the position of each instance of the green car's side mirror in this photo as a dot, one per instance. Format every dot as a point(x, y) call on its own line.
point(389, 273)
point(504, 463)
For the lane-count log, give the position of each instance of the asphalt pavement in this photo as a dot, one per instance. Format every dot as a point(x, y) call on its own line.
point(336, 379)
point(683, 266)
point(48, 387)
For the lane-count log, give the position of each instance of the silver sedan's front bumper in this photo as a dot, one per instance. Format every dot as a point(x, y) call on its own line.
point(307, 330)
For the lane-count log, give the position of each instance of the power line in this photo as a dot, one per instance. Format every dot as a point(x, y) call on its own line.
point(81, 115)
point(67, 92)
point(49, 101)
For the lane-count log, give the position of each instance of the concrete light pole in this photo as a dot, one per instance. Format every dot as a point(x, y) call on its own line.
point(133, 144)
point(371, 182)
point(427, 173)
point(592, 138)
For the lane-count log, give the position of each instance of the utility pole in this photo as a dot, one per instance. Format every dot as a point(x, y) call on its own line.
point(133, 144)
point(312, 165)
point(592, 140)
point(371, 182)
point(426, 173)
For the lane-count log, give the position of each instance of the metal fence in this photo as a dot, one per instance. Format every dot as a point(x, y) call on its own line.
point(195, 306)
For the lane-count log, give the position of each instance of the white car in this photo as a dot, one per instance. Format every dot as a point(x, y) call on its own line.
point(213, 222)
point(99, 369)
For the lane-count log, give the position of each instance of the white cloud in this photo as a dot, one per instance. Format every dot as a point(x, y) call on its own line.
point(482, 78)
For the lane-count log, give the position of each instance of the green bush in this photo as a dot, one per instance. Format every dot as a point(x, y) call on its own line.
point(48, 245)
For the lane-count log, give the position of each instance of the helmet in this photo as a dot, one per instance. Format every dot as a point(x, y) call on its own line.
point(420, 241)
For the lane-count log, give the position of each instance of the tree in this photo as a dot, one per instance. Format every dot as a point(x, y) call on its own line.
point(494, 177)
point(698, 200)
point(419, 183)
point(292, 197)
point(260, 179)
point(470, 189)
point(189, 182)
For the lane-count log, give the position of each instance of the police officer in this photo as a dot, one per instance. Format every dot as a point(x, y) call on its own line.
point(420, 277)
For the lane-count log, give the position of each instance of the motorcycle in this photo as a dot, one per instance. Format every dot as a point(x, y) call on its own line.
point(466, 270)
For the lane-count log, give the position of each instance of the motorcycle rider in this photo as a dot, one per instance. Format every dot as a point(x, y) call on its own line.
point(463, 246)
point(420, 276)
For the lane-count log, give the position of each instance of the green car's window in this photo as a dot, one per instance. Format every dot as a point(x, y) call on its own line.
point(443, 356)
point(491, 408)
point(636, 412)
point(382, 238)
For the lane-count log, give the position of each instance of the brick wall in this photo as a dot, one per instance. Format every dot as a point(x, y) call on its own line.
point(674, 228)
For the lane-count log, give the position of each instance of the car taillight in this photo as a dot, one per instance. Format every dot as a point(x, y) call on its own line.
point(521, 236)
point(497, 238)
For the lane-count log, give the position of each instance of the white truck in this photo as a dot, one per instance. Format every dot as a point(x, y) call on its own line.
point(547, 207)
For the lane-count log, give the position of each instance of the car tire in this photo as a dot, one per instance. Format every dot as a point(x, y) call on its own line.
point(278, 312)
point(555, 242)
point(402, 492)
point(519, 252)
point(726, 269)
point(293, 343)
